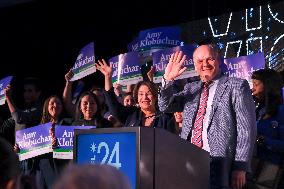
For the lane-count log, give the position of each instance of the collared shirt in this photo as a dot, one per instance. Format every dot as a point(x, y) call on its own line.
point(212, 90)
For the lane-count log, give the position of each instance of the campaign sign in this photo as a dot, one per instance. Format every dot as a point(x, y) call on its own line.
point(126, 68)
point(64, 136)
point(3, 84)
point(162, 37)
point(116, 149)
point(133, 46)
point(243, 66)
point(34, 141)
point(85, 63)
point(161, 59)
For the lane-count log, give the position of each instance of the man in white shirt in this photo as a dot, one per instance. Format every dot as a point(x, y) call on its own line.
point(219, 115)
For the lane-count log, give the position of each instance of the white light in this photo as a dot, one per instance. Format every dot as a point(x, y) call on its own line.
point(272, 48)
point(222, 34)
point(233, 42)
point(254, 39)
point(260, 25)
point(274, 15)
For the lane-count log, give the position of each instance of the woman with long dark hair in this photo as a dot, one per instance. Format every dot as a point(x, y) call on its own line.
point(267, 92)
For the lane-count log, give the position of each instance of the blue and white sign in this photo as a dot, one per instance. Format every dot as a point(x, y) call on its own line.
point(34, 141)
point(126, 68)
point(116, 149)
point(161, 59)
point(3, 84)
point(243, 66)
point(64, 136)
point(85, 63)
point(159, 38)
point(133, 46)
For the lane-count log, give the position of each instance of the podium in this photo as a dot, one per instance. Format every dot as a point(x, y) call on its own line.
point(152, 158)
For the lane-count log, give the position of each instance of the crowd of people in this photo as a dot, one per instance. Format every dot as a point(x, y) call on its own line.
point(241, 128)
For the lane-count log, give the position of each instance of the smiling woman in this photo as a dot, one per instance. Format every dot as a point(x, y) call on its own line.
point(88, 113)
point(145, 94)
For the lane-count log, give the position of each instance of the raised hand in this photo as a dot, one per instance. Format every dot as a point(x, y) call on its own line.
point(7, 91)
point(150, 73)
point(175, 66)
point(68, 76)
point(107, 71)
point(16, 148)
point(104, 68)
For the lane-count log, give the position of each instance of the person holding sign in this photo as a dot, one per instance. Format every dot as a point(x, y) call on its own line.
point(67, 94)
point(30, 116)
point(219, 115)
point(44, 165)
point(27, 117)
point(145, 94)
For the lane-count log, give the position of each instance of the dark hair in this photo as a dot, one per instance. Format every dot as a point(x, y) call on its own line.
point(273, 84)
point(9, 163)
point(32, 81)
point(90, 176)
point(127, 94)
point(45, 114)
point(78, 112)
point(152, 87)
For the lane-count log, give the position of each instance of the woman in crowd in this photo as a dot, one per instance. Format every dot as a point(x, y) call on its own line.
point(47, 167)
point(128, 100)
point(177, 119)
point(267, 91)
point(145, 94)
point(88, 112)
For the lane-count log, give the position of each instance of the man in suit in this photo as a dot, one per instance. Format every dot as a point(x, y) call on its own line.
point(219, 115)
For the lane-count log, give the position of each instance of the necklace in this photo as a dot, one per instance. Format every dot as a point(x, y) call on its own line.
point(148, 117)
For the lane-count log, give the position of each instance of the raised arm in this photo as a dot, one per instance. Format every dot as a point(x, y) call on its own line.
point(175, 66)
point(67, 94)
point(9, 100)
point(107, 71)
point(168, 98)
point(116, 108)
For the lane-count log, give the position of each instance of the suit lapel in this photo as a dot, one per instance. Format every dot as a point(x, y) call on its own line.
point(221, 87)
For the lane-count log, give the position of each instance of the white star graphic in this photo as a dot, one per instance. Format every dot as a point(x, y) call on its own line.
point(93, 147)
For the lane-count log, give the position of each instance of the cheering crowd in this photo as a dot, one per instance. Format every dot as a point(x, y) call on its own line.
point(241, 128)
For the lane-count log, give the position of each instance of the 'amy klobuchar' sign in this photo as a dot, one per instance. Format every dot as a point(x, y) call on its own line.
point(34, 141)
point(85, 63)
point(126, 68)
point(64, 136)
point(161, 59)
point(156, 38)
point(3, 84)
point(243, 66)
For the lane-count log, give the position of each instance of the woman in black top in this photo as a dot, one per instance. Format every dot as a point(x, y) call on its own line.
point(88, 112)
point(145, 95)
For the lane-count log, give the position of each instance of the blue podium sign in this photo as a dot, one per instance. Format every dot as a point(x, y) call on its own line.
point(114, 148)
